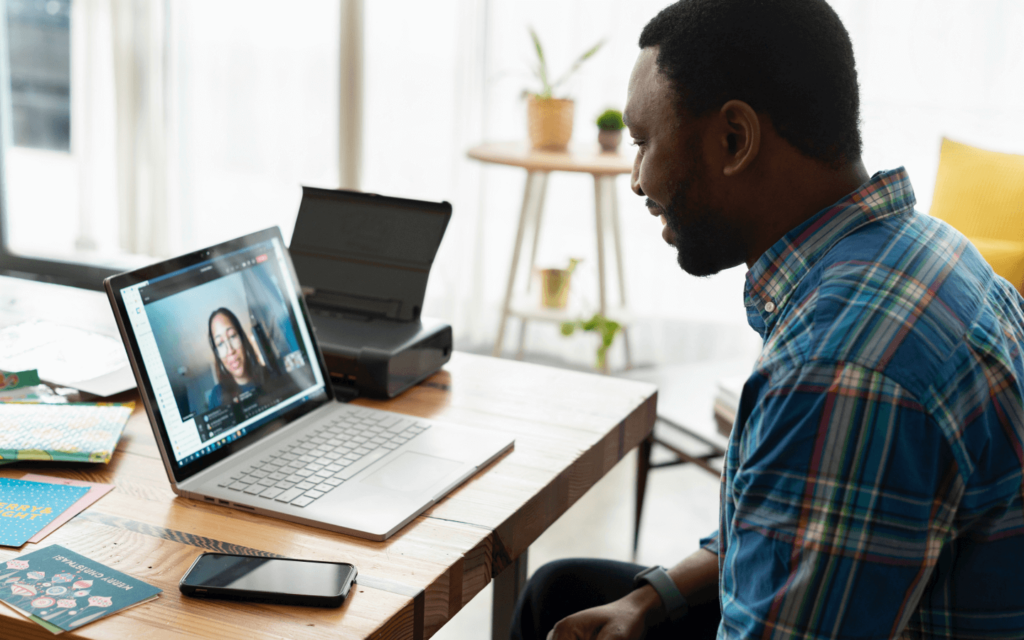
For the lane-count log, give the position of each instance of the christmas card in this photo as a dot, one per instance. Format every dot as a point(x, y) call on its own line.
point(61, 590)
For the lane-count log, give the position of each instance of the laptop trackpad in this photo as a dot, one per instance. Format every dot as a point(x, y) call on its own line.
point(412, 472)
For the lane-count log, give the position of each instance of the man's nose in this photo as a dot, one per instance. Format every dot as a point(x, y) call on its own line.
point(634, 178)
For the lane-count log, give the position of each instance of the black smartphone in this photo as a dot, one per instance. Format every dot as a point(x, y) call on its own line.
point(275, 580)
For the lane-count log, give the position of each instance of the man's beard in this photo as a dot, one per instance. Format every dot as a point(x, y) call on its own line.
point(705, 240)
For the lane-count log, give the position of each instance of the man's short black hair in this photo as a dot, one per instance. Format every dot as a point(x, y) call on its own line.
point(791, 60)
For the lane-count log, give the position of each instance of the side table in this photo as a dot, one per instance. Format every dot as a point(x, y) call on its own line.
point(605, 167)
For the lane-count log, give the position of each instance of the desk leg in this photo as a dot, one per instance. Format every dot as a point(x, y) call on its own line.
point(507, 586)
point(528, 196)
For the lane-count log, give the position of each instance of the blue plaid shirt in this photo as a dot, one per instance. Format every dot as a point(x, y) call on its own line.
point(873, 483)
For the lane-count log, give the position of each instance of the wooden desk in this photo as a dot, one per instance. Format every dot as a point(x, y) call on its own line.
point(570, 429)
point(604, 167)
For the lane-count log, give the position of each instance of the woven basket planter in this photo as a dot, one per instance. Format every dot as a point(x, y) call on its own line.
point(550, 122)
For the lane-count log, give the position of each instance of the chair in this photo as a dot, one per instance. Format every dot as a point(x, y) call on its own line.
point(981, 194)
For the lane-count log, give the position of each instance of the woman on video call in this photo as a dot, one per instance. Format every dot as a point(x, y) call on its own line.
point(238, 370)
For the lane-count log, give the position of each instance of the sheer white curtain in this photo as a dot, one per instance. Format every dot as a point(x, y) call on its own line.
point(444, 75)
point(196, 122)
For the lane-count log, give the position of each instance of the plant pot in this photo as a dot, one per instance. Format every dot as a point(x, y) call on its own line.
point(550, 122)
point(609, 139)
point(554, 288)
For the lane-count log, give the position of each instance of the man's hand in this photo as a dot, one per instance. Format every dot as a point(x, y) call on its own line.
point(627, 618)
point(619, 620)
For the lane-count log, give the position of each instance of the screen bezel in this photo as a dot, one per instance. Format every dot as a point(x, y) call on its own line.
point(115, 284)
point(288, 597)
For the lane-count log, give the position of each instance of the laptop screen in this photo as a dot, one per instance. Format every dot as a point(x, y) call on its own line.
point(224, 346)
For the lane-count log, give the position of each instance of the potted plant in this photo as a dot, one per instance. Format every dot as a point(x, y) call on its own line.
point(549, 119)
point(554, 290)
point(600, 325)
point(609, 126)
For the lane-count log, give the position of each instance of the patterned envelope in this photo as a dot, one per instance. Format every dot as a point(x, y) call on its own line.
point(79, 432)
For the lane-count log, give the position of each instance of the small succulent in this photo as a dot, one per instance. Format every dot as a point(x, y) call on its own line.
point(602, 326)
point(610, 120)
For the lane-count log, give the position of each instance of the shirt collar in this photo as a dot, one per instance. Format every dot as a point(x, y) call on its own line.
point(776, 274)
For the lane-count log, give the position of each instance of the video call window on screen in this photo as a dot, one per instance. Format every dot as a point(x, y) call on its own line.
point(229, 341)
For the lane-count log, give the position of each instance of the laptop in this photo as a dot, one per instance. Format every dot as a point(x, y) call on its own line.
point(240, 400)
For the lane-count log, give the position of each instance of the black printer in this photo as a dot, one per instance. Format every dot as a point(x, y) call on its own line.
point(363, 261)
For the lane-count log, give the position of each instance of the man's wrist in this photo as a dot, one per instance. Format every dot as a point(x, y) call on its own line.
point(647, 604)
point(673, 604)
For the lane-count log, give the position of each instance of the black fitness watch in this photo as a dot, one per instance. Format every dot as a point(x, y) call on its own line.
point(675, 604)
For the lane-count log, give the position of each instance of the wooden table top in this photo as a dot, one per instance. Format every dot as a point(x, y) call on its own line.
point(578, 158)
point(570, 429)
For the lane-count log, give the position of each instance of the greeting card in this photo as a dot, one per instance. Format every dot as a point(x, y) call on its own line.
point(62, 590)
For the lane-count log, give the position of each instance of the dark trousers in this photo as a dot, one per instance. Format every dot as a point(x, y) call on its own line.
point(561, 588)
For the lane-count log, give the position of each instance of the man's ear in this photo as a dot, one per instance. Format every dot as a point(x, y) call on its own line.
point(742, 141)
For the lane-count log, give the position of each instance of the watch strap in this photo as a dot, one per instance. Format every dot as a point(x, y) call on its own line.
point(675, 603)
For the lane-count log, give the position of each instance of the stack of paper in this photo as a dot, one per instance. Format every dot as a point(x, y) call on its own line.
point(33, 507)
point(61, 590)
point(77, 432)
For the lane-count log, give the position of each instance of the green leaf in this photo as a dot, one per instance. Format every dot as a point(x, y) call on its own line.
point(568, 328)
point(542, 68)
point(579, 61)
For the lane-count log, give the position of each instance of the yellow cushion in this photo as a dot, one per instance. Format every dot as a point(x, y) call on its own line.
point(980, 193)
point(1006, 258)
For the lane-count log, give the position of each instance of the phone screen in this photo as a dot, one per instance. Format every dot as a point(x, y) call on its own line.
point(269, 575)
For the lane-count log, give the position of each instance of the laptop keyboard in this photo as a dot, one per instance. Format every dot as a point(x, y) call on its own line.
point(325, 457)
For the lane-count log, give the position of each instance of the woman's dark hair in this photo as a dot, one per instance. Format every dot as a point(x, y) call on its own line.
point(253, 368)
point(791, 60)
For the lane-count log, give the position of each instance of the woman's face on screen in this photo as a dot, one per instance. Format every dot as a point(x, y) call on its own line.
point(229, 347)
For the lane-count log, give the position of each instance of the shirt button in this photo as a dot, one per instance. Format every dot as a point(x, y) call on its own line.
point(769, 306)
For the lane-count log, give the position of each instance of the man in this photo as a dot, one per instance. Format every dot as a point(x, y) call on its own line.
point(873, 483)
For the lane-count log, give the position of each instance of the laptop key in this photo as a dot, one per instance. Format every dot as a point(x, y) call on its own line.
point(289, 495)
point(390, 445)
point(324, 487)
point(305, 485)
point(254, 489)
point(267, 482)
point(238, 486)
point(303, 501)
point(312, 493)
point(272, 492)
point(284, 484)
point(361, 464)
point(277, 475)
point(333, 481)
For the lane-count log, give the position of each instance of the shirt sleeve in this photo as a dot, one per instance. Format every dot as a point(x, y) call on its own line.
point(842, 498)
point(710, 543)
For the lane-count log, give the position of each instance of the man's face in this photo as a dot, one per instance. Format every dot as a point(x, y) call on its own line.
point(670, 170)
